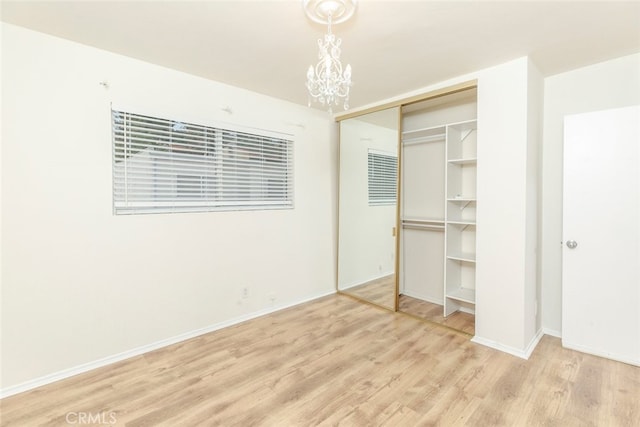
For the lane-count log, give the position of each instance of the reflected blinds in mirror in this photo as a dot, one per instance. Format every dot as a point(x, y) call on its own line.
point(382, 177)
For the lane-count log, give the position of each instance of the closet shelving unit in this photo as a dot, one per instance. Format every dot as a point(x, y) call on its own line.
point(451, 209)
point(460, 221)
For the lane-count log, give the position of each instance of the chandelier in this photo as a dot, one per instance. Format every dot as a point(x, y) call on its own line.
point(327, 82)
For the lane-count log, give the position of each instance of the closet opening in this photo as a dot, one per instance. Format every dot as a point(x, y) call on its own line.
point(437, 210)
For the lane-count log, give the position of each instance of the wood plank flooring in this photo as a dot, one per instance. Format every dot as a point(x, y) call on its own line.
point(464, 322)
point(380, 291)
point(336, 361)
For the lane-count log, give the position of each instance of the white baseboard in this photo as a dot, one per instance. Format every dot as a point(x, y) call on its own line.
point(523, 354)
point(85, 367)
point(347, 286)
point(607, 355)
point(552, 332)
point(467, 310)
point(534, 343)
point(422, 297)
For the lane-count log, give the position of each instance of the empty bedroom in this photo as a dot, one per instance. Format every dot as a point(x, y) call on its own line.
point(320, 212)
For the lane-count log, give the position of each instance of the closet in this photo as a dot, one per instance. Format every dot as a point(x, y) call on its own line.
point(456, 249)
point(437, 209)
point(413, 249)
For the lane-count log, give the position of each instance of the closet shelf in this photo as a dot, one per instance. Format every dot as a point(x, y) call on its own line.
point(430, 131)
point(462, 202)
point(463, 294)
point(423, 225)
point(423, 221)
point(426, 227)
point(462, 256)
point(465, 125)
point(462, 199)
point(461, 222)
point(466, 161)
point(422, 140)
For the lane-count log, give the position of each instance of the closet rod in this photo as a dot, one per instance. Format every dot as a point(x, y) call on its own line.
point(423, 227)
point(423, 140)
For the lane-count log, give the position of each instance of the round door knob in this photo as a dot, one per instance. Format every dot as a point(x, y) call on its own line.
point(571, 244)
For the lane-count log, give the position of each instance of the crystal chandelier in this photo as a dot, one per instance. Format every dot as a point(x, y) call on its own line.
point(327, 82)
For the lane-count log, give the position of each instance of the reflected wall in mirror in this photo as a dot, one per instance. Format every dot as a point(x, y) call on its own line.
point(368, 207)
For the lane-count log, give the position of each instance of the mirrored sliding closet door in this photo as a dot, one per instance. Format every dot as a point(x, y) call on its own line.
point(368, 207)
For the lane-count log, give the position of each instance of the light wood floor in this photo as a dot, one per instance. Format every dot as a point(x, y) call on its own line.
point(336, 361)
point(382, 292)
point(464, 322)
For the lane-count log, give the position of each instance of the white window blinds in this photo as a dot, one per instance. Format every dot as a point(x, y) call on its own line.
point(382, 177)
point(162, 165)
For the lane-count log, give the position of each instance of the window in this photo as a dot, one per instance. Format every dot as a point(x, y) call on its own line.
point(162, 165)
point(383, 177)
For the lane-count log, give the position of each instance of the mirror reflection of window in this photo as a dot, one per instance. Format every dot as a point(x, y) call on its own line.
point(368, 206)
point(383, 177)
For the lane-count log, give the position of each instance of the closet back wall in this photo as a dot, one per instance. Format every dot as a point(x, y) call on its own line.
point(80, 284)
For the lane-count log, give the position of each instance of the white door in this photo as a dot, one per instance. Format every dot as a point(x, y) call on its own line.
point(601, 234)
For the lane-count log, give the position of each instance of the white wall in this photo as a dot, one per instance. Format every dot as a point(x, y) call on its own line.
point(367, 246)
point(1, 185)
point(610, 84)
point(535, 105)
point(80, 284)
point(459, 110)
point(504, 214)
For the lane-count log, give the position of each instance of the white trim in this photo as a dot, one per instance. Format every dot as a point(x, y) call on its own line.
point(534, 343)
point(467, 310)
point(552, 332)
point(523, 354)
point(498, 346)
point(606, 355)
point(422, 297)
point(85, 367)
point(359, 283)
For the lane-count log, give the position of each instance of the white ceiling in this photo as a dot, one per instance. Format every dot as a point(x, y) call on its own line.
point(393, 46)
